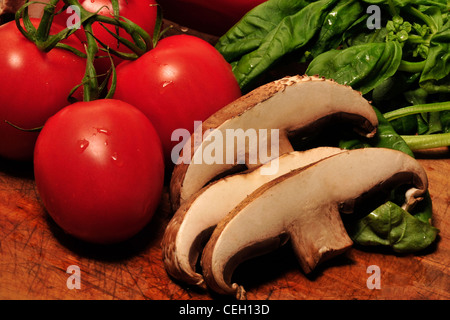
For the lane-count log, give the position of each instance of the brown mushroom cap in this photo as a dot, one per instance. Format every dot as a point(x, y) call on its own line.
point(289, 105)
point(303, 205)
point(12, 6)
point(193, 223)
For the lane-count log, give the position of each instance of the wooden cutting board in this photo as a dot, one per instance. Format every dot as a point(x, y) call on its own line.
point(35, 256)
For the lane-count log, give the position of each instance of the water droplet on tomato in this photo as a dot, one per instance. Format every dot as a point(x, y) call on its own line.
point(166, 83)
point(116, 159)
point(104, 131)
point(82, 144)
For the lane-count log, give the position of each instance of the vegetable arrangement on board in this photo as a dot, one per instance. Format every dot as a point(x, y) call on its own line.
point(265, 210)
point(109, 90)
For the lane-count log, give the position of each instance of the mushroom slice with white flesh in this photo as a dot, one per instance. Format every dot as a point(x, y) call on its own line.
point(256, 128)
point(193, 223)
point(303, 206)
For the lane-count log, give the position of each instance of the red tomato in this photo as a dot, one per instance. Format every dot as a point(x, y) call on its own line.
point(34, 86)
point(213, 17)
point(184, 79)
point(99, 170)
point(141, 12)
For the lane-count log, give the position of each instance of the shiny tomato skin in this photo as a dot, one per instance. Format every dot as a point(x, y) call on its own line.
point(213, 17)
point(99, 170)
point(184, 79)
point(34, 86)
point(141, 12)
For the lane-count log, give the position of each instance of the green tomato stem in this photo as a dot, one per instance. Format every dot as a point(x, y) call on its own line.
point(142, 39)
point(116, 11)
point(23, 129)
point(71, 49)
point(43, 30)
point(90, 88)
point(112, 89)
point(139, 35)
point(27, 30)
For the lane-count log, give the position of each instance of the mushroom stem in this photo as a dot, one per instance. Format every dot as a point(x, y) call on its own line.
point(312, 240)
point(305, 204)
point(192, 225)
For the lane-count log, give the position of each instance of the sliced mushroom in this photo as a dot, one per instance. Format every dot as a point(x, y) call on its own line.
point(12, 6)
point(193, 223)
point(287, 107)
point(303, 206)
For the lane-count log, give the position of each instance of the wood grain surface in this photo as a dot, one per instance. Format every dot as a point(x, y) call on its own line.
point(35, 255)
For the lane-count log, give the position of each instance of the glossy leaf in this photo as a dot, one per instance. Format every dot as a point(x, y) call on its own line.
point(292, 33)
point(386, 137)
point(248, 34)
point(436, 74)
point(390, 225)
point(363, 67)
point(335, 23)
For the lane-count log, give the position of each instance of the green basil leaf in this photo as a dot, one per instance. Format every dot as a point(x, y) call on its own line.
point(435, 77)
point(445, 120)
point(335, 23)
point(362, 67)
point(434, 123)
point(292, 33)
point(405, 125)
point(386, 137)
point(422, 124)
point(248, 34)
point(390, 225)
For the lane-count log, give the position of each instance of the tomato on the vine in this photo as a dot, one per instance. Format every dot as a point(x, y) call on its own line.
point(213, 17)
point(34, 86)
point(141, 12)
point(182, 80)
point(99, 170)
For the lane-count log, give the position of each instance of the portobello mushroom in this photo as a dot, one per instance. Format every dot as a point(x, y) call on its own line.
point(303, 206)
point(291, 106)
point(193, 223)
